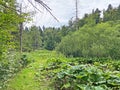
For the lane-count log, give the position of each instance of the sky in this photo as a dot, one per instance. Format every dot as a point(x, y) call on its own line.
point(64, 10)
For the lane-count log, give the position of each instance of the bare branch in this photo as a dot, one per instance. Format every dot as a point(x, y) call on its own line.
point(47, 8)
point(34, 6)
point(43, 4)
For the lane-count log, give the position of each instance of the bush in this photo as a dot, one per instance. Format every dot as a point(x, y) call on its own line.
point(10, 66)
point(102, 40)
point(80, 74)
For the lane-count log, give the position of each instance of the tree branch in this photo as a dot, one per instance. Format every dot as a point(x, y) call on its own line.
point(47, 8)
point(34, 6)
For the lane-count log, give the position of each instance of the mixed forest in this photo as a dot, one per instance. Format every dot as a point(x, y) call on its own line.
point(83, 55)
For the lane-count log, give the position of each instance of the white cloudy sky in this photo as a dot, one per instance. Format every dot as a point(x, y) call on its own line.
point(64, 10)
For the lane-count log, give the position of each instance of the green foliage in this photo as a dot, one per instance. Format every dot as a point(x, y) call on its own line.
point(111, 14)
point(97, 37)
point(27, 78)
point(51, 38)
point(92, 19)
point(24, 60)
point(32, 39)
point(101, 40)
point(7, 25)
point(76, 74)
point(12, 64)
point(9, 21)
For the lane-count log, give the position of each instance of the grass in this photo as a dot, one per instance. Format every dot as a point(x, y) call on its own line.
point(31, 78)
point(25, 79)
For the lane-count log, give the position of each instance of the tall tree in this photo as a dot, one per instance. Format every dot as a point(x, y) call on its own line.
point(108, 14)
point(9, 20)
point(32, 39)
point(51, 38)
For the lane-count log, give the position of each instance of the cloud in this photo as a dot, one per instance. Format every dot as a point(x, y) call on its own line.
point(64, 10)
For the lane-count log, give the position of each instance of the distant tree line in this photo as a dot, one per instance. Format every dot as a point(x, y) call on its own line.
point(92, 35)
point(96, 36)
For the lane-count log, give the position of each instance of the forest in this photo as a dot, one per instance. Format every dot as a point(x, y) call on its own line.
point(83, 55)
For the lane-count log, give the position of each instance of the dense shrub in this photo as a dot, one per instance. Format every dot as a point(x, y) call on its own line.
point(10, 66)
point(102, 40)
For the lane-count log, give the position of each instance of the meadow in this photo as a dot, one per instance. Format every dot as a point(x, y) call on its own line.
point(49, 70)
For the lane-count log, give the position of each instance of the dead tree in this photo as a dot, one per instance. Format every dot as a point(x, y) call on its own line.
point(76, 6)
point(20, 29)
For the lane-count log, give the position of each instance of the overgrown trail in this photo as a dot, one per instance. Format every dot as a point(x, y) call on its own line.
point(25, 79)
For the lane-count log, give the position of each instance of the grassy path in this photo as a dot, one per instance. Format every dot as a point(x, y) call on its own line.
point(25, 79)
